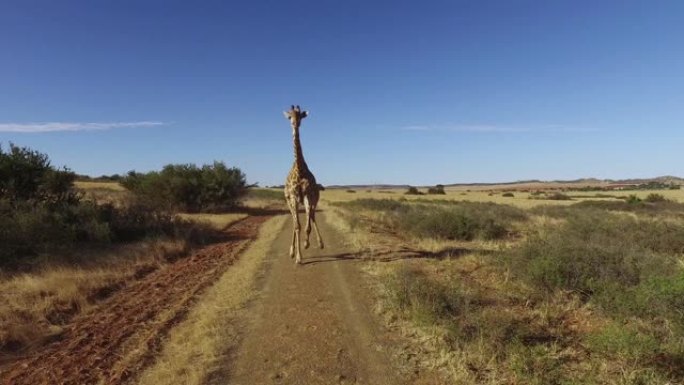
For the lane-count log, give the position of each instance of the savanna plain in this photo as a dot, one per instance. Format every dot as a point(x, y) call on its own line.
point(493, 284)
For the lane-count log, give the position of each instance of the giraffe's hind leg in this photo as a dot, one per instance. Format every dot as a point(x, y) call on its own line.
point(315, 226)
point(307, 208)
point(311, 218)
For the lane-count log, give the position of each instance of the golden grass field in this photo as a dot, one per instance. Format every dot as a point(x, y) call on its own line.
point(577, 338)
point(520, 199)
point(523, 199)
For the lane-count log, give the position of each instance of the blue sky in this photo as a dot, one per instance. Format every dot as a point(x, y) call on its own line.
point(398, 92)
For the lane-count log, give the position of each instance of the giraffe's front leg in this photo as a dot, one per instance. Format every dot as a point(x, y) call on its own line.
point(295, 244)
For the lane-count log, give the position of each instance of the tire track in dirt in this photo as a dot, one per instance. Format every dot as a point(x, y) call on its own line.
point(112, 343)
point(313, 323)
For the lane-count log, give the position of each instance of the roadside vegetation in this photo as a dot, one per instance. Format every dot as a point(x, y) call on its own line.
point(586, 293)
point(441, 220)
point(66, 245)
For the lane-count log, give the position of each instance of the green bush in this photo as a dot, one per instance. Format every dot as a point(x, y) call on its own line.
point(41, 215)
point(508, 195)
point(637, 206)
point(654, 197)
point(456, 223)
point(632, 199)
point(623, 342)
point(189, 188)
point(443, 219)
point(424, 300)
point(594, 251)
point(29, 230)
point(374, 204)
point(413, 191)
point(27, 175)
point(628, 266)
point(557, 196)
point(438, 189)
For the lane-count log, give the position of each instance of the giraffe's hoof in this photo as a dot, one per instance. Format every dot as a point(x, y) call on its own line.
point(322, 246)
point(306, 245)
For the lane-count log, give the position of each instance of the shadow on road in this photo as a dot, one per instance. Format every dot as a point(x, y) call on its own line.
point(265, 211)
point(395, 255)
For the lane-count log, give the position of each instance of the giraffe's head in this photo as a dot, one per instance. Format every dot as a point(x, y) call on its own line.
point(295, 116)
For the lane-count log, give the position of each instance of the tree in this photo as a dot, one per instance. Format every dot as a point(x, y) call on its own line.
point(27, 175)
point(189, 188)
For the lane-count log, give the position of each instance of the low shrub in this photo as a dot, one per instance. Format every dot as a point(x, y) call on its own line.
point(508, 195)
point(438, 189)
point(443, 219)
point(638, 207)
point(596, 250)
point(413, 191)
point(626, 265)
point(374, 204)
point(558, 196)
point(654, 197)
point(457, 223)
point(423, 299)
point(623, 342)
point(633, 199)
point(29, 230)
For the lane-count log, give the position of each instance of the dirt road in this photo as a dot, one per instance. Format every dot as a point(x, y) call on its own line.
point(313, 323)
point(309, 324)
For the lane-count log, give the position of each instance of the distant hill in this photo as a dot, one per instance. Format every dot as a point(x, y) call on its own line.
point(368, 186)
point(667, 179)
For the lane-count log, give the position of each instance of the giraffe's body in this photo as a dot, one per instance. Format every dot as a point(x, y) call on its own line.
point(300, 188)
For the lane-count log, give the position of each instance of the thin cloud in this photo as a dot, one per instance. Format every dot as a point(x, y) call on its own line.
point(416, 128)
point(70, 126)
point(485, 128)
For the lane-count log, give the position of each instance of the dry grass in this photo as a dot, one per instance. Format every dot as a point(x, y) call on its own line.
point(216, 221)
point(34, 306)
point(113, 186)
point(197, 347)
point(104, 192)
point(520, 199)
point(473, 320)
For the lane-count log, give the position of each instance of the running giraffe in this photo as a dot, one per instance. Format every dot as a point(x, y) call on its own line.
point(300, 188)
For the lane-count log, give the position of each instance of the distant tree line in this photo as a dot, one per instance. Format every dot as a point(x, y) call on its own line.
point(438, 189)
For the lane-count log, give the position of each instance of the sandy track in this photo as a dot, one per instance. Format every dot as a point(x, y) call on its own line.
point(313, 323)
point(112, 343)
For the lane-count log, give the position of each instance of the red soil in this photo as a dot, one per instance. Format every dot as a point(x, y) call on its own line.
point(112, 343)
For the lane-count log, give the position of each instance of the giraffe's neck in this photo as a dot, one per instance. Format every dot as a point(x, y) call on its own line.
point(298, 155)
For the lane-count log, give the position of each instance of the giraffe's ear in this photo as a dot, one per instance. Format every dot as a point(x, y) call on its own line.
point(287, 115)
point(305, 114)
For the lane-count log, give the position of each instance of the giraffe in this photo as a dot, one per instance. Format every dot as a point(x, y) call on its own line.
point(300, 188)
